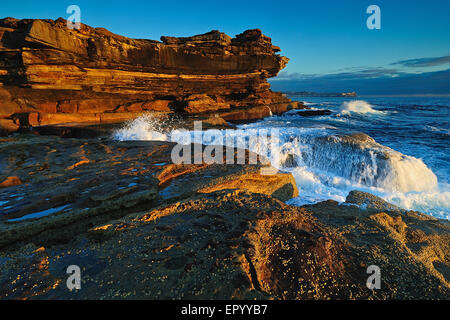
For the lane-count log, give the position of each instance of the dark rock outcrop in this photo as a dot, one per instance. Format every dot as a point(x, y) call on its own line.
point(50, 74)
point(313, 113)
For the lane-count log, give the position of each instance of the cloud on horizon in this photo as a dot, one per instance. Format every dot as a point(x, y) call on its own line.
point(359, 73)
point(367, 81)
point(401, 77)
point(423, 62)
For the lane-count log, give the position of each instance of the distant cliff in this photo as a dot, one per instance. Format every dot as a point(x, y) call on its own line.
point(321, 94)
point(50, 74)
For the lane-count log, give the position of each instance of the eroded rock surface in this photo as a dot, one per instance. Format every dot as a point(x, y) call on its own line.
point(142, 227)
point(62, 186)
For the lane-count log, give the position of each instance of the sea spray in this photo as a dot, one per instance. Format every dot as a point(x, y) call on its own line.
point(325, 165)
point(149, 127)
point(144, 128)
point(356, 157)
point(360, 159)
point(358, 106)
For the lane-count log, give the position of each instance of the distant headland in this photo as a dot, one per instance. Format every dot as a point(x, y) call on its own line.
point(321, 94)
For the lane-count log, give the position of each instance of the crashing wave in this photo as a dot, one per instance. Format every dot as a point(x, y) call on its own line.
point(147, 127)
point(360, 159)
point(358, 106)
point(325, 165)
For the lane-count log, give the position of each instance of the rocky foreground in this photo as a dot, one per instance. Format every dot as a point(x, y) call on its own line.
point(141, 227)
point(50, 75)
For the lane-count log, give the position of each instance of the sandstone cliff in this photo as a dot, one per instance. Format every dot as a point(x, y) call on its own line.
point(50, 74)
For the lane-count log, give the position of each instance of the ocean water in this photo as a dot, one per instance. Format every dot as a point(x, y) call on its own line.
point(407, 163)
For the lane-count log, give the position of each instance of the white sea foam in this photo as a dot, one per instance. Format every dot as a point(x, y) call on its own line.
point(359, 159)
point(327, 166)
point(437, 129)
point(358, 106)
point(436, 202)
point(306, 103)
point(317, 186)
point(144, 128)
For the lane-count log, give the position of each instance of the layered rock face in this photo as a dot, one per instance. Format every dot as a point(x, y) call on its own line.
point(51, 74)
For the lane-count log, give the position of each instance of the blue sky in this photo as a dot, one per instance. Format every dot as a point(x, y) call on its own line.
point(321, 38)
